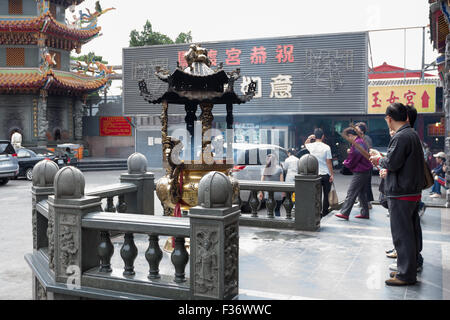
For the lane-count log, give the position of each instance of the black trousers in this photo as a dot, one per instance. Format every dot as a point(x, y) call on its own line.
point(326, 187)
point(357, 188)
point(406, 235)
point(369, 192)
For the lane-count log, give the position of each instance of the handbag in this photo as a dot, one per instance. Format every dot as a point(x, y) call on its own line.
point(333, 198)
point(429, 180)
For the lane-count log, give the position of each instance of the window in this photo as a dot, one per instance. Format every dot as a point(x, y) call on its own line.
point(15, 57)
point(23, 154)
point(15, 7)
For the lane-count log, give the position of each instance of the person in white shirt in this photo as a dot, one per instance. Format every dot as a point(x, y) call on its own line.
point(290, 165)
point(16, 140)
point(322, 152)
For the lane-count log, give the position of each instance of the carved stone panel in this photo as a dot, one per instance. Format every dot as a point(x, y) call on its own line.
point(51, 238)
point(206, 264)
point(67, 252)
point(231, 257)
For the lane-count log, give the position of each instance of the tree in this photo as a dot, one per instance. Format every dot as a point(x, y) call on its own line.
point(89, 58)
point(148, 37)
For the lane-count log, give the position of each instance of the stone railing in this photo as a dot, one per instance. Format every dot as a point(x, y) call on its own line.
point(73, 248)
point(308, 200)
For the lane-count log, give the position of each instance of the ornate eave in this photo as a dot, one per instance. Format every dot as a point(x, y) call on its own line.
point(439, 24)
point(67, 3)
point(46, 24)
point(31, 80)
point(197, 86)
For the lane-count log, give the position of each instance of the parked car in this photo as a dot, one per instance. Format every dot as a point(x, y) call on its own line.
point(249, 161)
point(28, 159)
point(9, 165)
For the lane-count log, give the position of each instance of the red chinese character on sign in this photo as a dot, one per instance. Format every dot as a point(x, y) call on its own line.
point(258, 55)
point(285, 53)
point(233, 57)
point(376, 100)
point(409, 97)
point(181, 61)
point(392, 98)
point(212, 55)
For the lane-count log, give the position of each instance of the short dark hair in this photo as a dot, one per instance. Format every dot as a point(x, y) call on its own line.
point(397, 111)
point(362, 126)
point(291, 151)
point(412, 115)
point(318, 133)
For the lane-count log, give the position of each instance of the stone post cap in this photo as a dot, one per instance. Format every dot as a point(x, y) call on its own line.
point(69, 183)
point(44, 173)
point(137, 163)
point(215, 190)
point(308, 165)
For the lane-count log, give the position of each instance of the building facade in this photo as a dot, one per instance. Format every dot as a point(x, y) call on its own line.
point(39, 95)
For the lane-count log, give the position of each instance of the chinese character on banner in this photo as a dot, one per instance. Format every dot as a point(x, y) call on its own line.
point(285, 53)
point(181, 60)
point(258, 55)
point(212, 55)
point(409, 97)
point(376, 101)
point(281, 87)
point(233, 57)
point(246, 81)
point(392, 98)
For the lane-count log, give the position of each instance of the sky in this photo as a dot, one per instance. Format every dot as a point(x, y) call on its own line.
point(238, 19)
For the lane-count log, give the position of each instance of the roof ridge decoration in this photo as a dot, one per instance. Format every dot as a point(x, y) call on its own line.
point(47, 61)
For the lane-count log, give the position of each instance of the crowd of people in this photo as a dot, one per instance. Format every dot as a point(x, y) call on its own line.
point(403, 178)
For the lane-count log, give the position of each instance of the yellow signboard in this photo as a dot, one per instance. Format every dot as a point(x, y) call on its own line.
point(422, 97)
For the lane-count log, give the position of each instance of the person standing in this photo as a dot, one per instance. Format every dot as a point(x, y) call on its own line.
point(16, 139)
point(362, 129)
point(362, 170)
point(404, 181)
point(290, 165)
point(322, 152)
point(272, 172)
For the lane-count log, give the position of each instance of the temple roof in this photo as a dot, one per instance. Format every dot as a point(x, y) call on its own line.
point(47, 24)
point(61, 82)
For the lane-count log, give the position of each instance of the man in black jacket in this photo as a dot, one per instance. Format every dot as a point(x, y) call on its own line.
point(403, 187)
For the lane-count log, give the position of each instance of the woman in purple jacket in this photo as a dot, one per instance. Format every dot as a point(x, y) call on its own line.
point(362, 169)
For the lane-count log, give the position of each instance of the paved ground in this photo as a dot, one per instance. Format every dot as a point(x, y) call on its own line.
point(344, 260)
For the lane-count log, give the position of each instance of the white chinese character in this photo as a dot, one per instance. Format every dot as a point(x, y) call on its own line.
point(281, 87)
point(246, 81)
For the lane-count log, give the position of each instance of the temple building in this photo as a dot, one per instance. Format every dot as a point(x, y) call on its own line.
point(39, 94)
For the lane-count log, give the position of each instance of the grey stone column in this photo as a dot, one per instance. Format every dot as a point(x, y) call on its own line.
point(214, 250)
point(43, 175)
point(75, 251)
point(143, 201)
point(446, 96)
point(78, 121)
point(42, 118)
point(308, 194)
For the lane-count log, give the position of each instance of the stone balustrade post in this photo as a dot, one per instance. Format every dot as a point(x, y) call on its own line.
point(308, 194)
point(74, 251)
point(142, 201)
point(43, 175)
point(214, 250)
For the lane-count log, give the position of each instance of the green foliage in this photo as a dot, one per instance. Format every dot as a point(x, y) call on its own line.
point(148, 37)
point(89, 58)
